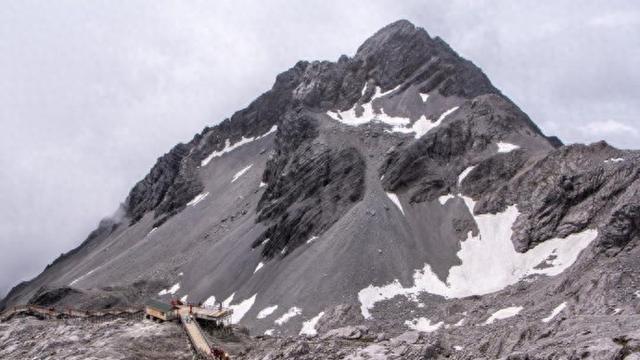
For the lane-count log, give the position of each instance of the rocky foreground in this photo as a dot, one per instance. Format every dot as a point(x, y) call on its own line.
point(614, 336)
point(31, 338)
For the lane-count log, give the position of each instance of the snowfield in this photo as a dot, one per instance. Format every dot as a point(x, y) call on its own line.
point(489, 262)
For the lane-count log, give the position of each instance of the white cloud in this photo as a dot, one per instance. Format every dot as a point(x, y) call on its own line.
point(608, 127)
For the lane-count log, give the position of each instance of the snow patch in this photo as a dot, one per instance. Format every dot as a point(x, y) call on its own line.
point(422, 125)
point(614, 160)
point(396, 201)
point(489, 262)
point(444, 198)
point(267, 311)
point(423, 324)
point(504, 147)
point(184, 298)
point(83, 276)
point(230, 147)
point(424, 97)
point(174, 289)
point(262, 184)
point(311, 239)
point(309, 327)
point(260, 265)
point(503, 314)
point(197, 199)
point(227, 301)
point(269, 332)
point(555, 312)
point(241, 309)
point(398, 124)
point(210, 302)
point(152, 230)
point(464, 174)
point(240, 173)
point(291, 313)
point(637, 293)
point(457, 348)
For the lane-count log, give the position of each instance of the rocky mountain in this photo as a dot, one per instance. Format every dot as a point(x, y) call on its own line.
point(395, 190)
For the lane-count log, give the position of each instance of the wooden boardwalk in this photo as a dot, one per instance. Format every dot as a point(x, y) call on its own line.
point(194, 332)
point(186, 314)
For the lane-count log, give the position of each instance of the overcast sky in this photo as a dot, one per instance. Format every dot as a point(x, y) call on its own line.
point(92, 92)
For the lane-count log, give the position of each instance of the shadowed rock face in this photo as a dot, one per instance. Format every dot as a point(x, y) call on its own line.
point(367, 183)
point(309, 187)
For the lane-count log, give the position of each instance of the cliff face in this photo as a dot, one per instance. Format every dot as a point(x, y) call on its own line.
point(398, 173)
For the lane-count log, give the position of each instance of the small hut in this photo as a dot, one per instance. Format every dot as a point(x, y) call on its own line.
point(157, 310)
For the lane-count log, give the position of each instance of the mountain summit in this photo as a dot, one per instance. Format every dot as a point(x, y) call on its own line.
point(389, 191)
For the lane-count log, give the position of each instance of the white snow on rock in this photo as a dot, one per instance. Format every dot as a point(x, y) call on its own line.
point(489, 262)
point(457, 348)
point(227, 301)
point(291, 313)
point(422, 125)
point(311, 239)
point(444, 198)
point(174, 289)
point(83, 276)
point(504, 147)
point(184, 298)
point(464, 174)
point(152, 230)
point(197, 199)
point(309, 326)
point(503, 314)
point(240, 173)
point(398, 124)
point(424, 97)
point(555, 312)
point(230, 147)
point(269, 332)
point(241, 309)
point(267, 311)
point(614, 160)
point(350, 118)
point(423, 324)
point(637, 293)
point(394, 198)
point(210, 302)
point(260, 265)
point(262, 184)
